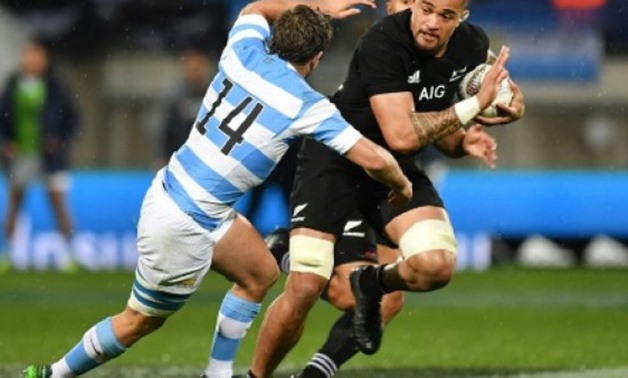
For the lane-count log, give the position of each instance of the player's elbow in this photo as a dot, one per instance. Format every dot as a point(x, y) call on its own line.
point(401, 145)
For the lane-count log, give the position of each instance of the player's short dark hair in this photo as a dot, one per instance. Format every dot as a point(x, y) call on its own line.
point(299, 34)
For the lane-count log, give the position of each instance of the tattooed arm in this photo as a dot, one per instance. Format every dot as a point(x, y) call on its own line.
point(431, 127)
point(406, 131)
point(417, 130)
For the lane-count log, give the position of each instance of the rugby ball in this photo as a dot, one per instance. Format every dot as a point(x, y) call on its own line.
point(470, 85)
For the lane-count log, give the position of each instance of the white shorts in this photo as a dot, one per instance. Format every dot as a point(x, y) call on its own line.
point(174, 252)
point(28, 168)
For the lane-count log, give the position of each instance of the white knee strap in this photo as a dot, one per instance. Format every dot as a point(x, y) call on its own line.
point(428, 235)
point(311, 255)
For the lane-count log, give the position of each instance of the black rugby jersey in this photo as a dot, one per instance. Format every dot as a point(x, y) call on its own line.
point(387, 60)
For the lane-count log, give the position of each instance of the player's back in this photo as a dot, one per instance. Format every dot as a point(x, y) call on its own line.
point(256, 105)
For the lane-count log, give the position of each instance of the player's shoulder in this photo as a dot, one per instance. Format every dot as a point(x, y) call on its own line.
point(471, 35)
point(469, 42)
point(390, 33)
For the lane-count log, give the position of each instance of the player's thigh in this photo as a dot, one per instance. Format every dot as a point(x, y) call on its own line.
point(387, 255)
point(421, 225)
point(174, 254)
point(242, 256)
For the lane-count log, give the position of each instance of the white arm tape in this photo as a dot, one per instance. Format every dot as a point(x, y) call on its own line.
point(468, 109)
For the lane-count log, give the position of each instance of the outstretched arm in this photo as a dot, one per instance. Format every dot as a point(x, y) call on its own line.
point(272, 9)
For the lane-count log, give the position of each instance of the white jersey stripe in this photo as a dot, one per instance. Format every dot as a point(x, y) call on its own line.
point(204, 200)
point(251, 20)
point(223, 165)
point(323, 118)
point(241, 35)
point(279, 99)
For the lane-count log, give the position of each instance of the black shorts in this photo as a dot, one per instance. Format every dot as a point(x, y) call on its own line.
point(328, 188)
point(357, 242)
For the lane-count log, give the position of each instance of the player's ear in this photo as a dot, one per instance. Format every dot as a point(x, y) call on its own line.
point(464, 16)
point(315, 61)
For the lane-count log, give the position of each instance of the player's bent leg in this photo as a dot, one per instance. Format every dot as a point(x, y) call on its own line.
point(392, 303)
point(284, 321)
point(278, 241)
point(131, 325)
point(240, 255)
point(339, 293)
point(104, 341)
point(373, 310)
point(340, 345)
point(311, 262)
point(428, 245)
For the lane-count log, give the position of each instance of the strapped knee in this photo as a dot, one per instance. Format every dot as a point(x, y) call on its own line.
point(428, 235)
point(311, 255)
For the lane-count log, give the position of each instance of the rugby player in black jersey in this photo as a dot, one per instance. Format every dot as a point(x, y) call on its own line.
point(399, 91)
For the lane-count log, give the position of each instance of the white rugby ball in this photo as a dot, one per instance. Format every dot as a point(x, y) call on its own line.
point(470, 85)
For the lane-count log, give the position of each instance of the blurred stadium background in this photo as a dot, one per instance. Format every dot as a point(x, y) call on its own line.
point(557, 199)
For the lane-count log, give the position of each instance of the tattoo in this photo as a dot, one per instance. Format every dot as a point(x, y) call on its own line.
point(432, 126)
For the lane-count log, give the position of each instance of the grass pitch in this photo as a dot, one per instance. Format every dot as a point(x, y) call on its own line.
point(502, 323)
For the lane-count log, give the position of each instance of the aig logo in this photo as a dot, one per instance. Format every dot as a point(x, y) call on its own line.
point(432, 92)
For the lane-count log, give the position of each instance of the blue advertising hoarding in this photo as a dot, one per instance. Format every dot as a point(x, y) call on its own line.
point(106, 204)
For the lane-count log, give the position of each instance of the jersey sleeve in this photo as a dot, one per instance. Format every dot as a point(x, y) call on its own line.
point(323, 122)
point(381, 70)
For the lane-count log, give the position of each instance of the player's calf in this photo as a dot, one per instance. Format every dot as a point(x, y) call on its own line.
point(425, 272)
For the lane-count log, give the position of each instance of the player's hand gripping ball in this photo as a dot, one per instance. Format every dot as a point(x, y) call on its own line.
point(470, 85)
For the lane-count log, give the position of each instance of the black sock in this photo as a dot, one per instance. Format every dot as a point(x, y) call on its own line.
point(372, 280)
point(338, 349)
point(379, 273)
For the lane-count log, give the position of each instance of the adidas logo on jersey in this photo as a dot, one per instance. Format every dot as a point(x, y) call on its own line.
point(415, 78)
point(457, 74)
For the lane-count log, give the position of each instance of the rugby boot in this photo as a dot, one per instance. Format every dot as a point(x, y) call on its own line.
point(367, 319)
point(278, 242)
point(37, 371)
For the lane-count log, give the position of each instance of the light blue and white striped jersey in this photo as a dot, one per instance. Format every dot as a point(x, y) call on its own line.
point(254, 108)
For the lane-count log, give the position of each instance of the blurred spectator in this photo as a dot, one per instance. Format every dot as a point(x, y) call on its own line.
point(37, 121)
point(182, 104)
